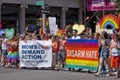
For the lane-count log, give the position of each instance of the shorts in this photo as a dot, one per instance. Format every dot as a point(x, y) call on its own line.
point(4, 52)
point(104, 53)
point(115, 62)
point(61, 56)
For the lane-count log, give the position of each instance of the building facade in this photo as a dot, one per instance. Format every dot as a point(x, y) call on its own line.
point(22, 12)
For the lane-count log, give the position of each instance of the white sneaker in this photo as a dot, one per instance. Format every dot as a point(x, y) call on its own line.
point(2, 65)
point(108, 75)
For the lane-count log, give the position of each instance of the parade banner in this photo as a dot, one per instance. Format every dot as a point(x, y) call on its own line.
point(82, 54)
point(98, 5)
point(52, 25)
point(35, 54)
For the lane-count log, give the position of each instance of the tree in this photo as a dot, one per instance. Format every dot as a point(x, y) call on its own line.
point(117, 6)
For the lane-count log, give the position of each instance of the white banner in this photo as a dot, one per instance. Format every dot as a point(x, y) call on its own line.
point(35, 54)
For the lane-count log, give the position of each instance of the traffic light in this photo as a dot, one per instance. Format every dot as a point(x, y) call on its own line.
point(46, 7)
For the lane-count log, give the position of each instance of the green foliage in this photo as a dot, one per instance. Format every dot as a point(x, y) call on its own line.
point(118, 6)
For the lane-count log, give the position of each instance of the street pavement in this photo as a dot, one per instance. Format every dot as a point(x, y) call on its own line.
point(31, 74)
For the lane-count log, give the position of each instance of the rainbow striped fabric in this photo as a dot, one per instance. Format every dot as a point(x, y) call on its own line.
point(12, 56)
point(82, 54)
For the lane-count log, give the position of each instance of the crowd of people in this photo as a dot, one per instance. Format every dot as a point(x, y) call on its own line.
point(109, 49)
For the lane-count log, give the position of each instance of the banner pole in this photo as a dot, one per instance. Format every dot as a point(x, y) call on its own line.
point(44, 17)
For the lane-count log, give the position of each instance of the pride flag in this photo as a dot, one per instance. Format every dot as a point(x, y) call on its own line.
point(82, 54)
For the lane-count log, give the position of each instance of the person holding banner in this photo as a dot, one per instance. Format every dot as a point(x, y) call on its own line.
point(34, 36)
point(45, 36)
point(55, 48)
point(61, 58)
point(27, 38)
point(61, 52)
point(22, 37)
point(75, 36)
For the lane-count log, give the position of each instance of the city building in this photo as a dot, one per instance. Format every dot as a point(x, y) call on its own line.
point(25, 12)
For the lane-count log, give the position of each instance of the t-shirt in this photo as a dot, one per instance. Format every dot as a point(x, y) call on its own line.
point(55, 46)
point(62, 43)
point(76, 37)
point(4, 45)
point(114, 50)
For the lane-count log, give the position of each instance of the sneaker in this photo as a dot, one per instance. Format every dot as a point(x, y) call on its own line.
point(103, 72)
point(97, 75)
point(79, 70)
point(2, 65)
point(107, 75)
point(61, 67)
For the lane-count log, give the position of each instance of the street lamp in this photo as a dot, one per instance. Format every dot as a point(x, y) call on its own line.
point(45, 10)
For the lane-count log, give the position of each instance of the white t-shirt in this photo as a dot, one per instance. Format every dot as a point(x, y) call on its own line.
point(77, 37)
point(4, 45)
point(114, 50)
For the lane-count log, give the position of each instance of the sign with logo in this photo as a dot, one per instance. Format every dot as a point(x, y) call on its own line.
point(82, 54)
point(35, 54)
point(98, 5)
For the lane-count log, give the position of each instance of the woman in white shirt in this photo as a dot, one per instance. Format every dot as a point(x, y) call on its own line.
point(4, 49)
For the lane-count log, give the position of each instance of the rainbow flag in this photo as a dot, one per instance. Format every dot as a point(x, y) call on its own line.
point(82, 54)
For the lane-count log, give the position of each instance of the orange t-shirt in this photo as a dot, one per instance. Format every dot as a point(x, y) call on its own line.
point(41, 32)
point(55, 47)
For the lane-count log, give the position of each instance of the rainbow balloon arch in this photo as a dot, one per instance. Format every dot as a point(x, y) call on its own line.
point(109, 21)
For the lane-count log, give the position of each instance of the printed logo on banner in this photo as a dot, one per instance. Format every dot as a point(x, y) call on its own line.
point(34, 54)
